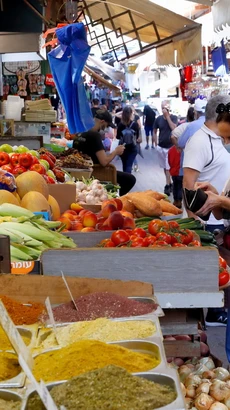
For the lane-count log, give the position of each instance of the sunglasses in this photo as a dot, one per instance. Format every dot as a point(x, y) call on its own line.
point(221, 108)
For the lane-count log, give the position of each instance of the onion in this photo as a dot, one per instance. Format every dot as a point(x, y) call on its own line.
point(203, 401)
point(183, 389)
point(192, 379)
point(218, 406)
point(204, 349)
point(221, 373)
point(204, 387)
point(178, 361)
point(200, 369)
point(208, 362)
point(191, 391)
point(228, 383)
point(170, 359)
point(184, 371)
point(209, 374)
point(188, 402)
point(219, 390)
point(183, 337)
point(169, 338)
point(227, 402)
point(190, 366)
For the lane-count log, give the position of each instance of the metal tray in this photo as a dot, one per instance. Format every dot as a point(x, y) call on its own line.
point(153, 300)
point(170, 378)
point(31, 392)
point(10, 396)
point(15, 382)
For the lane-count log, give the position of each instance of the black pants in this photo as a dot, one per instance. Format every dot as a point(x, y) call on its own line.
point(126, 182)
point(177, 188)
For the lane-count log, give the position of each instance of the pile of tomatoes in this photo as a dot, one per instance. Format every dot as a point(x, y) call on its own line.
point(160, 233)
point(223, 272)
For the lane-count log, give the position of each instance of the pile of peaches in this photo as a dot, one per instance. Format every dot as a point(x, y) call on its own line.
point(111, 217)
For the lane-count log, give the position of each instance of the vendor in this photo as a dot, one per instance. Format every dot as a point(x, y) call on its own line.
point(90, 143)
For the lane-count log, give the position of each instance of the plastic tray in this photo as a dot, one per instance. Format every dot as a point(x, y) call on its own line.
point(10, 396)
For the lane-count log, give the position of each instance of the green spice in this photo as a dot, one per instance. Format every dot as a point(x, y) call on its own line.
point(10, 405)
point(108, 388)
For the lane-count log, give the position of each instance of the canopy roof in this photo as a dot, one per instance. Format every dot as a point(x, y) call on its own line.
point(145, 22)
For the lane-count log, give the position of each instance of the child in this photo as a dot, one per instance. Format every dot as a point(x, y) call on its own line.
point(174, 160)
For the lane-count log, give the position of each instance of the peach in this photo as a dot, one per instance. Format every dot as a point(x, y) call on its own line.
point(76, 226)
point(127, 214)
point(76, 207)
point(89, 220)
point(66, 222)
point(108, 209)
point(119, 204)
point(115, 221)
point(88, 229)
point(129, 223)
point(108, 202)
point(68, 216)
point(69, 211)
point(82, 212)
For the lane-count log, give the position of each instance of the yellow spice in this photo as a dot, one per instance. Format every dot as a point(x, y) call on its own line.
point(5, 343)
point(87, 355)
point(103, 329)
point(9, 366)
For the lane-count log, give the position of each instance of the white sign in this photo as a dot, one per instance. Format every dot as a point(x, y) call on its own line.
point(51, 316)
point(41, 388)
point(67, 286)
point(14, 336)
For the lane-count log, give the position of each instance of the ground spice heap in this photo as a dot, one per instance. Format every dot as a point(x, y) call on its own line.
point(108, 388)
point(5, 343)
point(102, 329)
point(22, 314)
point(9, 366)
point(101, 304)
point(9, 405)
point(87, 355)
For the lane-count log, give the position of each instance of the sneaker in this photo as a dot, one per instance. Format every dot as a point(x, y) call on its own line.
point(171, 187)
point(147, 146)
point(167, 190)
point(136, 169)
point(216, 319)
point(152, 147)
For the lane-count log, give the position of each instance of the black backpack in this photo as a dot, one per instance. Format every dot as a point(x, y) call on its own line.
point(128, 136)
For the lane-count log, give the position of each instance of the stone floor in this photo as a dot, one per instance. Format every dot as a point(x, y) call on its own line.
point(151, 176)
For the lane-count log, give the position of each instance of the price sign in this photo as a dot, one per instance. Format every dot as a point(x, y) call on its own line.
point(70, 293)
point(51, 316)
point(14, 336)
point(41, 388)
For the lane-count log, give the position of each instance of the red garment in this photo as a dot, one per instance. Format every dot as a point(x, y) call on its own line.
point(174, 161)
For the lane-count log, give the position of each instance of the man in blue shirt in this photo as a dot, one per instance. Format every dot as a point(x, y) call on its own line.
point(192, 128)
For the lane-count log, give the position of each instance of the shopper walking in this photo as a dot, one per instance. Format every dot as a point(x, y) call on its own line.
point(174, 160)
point(149, 117)
point(206, 159)
point(95, 106)
point(199, 111)
point(139, 141)
point(128, 134)
point(165, 124)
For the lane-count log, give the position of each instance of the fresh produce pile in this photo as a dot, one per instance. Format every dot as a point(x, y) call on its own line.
point(224, 276)
point(149, 203)
point(111, 217)
point(29, 234)
point(92, 192)
point(158, 233)
point(71, 158)
point(204, 386)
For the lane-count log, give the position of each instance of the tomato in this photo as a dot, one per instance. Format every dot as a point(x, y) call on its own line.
point(173, 225)
point(26, 160)
point(149, 240)
point(222, 262)
point(109, 244)
point(195, 243)
point(160, 244)
point(176, 238)
point(156, 225)
point(179, 245)
point(137, 243)
point(140, 232)
point(120, 237)
point(129, 231)
point(187, 236)
point(223, 277)
point(163, 236)
point(18, 170)
point(4, 158)
point(7, 168)
point(14, 159)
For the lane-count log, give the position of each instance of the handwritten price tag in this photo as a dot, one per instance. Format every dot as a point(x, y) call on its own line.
point(51, 316)
point(70, 293)
point(14, 336)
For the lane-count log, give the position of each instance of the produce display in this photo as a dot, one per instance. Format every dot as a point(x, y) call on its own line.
point(204, 386)
point(92, 191)
point(9, 366)
point(81, 357)
point(23, 314)
point(149, 203)
point(105, 386)
point(71, 158)
point(100, 329)
point(101, 304)
point(29, 234)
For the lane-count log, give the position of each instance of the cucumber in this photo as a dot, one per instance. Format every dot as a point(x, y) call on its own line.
point(184, 220)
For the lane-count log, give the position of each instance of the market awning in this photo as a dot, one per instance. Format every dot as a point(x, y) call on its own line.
point(221, 15)
point(151, 25)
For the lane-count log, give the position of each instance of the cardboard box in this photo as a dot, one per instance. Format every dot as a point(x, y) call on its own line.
point(65, 194)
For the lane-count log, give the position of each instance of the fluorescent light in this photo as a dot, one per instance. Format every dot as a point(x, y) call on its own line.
point(9, 57)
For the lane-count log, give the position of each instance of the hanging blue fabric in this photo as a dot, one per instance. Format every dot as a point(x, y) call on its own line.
point(67, 61)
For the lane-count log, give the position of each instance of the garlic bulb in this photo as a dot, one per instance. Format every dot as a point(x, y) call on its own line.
point(219, 390)
point(191, 391)
point(209, 374)
point(218, 406)
point(192, 379)
point(208, 362)
point(203, 388)
point(200, 369)
point(203, 401)
point(183, 389)
point(184, 371)
point(188, 402)
point(221, 373)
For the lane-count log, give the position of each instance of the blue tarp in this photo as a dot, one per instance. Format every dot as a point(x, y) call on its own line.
point(67, 61)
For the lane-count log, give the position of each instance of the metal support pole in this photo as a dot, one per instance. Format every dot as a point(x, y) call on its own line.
point(5, 265)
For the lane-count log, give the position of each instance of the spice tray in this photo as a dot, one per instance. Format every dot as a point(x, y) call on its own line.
point(15, 382)
point(31, 393)
point(151, 318)
point(152, 300)
point(8, 395)
point(153, 347)
point(169, 378)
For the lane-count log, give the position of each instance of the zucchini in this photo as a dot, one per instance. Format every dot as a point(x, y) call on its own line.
point(184, 220)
